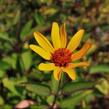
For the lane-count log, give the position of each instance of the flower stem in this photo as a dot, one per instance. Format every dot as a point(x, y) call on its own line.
point(57, 92)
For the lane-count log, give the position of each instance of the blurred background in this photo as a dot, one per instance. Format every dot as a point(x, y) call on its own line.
point(22, 82)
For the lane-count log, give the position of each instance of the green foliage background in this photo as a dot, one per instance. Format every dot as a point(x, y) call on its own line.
point(19, 77)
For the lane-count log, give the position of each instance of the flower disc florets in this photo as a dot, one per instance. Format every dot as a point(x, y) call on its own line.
point(61, 57)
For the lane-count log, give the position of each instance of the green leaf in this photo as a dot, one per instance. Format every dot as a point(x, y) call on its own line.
point(50, 99)
point(36, 74)
point(21, 80)
point(4, 65)
point(38, 89)
point(103, 86)
point(39, 19)
point(72, 101)
point(86, 3)
point(10, 85)
point(17, 17)
point(26, 30)
point(1, 101)
point(54, 84)
point(38, 107)
point(99, 69)
point(11, 60)
point(5, 36)
point(50, 11)
point(86, 37)
point(6, 106)
point(27, 59)
point(2, 73)
point(20, 64)
point(77, 86)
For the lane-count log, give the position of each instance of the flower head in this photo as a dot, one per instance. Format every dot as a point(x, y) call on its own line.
point(60, 54)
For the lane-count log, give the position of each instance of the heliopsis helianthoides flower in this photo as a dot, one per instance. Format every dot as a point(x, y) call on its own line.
point(61, 56)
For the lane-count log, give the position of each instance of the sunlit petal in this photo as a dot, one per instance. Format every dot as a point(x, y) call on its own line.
point(57, 73)
point(80, 64)
point(82, 52)
point(46, 66)
point(44, 54)
point(55, 36)
point(63, 35)
point(75, 41)
point(71, 73)
point(43, 42)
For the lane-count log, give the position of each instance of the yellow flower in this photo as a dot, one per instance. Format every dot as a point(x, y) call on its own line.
point(61, 55)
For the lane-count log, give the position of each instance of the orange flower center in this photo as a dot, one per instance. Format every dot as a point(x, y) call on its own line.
point(61, 57)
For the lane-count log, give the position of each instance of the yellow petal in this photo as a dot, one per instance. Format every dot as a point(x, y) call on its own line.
point(80, 64)
point(57, 73)
point(43, 42)
point(81, 52)
point(46, 66)
point(75, 41)
point(71, 73)
point(63, 35)
point(44, 54)
point(55, 36)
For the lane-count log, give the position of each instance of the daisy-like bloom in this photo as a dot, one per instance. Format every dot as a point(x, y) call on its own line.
point(60, 54)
